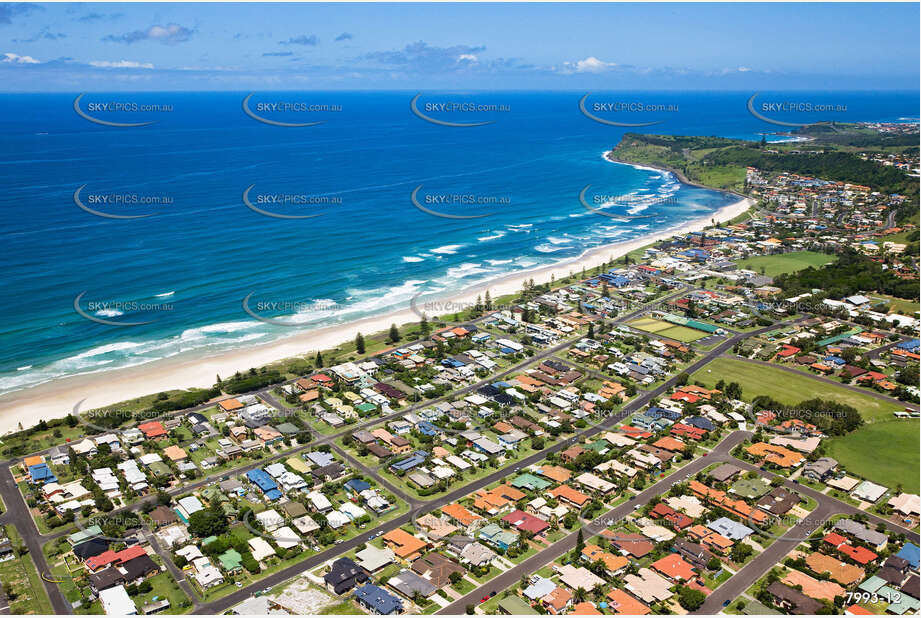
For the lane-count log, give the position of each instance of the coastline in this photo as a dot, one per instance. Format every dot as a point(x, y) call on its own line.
point(609, 155)
point(57, 399)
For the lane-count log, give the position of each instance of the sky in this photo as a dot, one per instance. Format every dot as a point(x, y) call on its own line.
point(68, 47)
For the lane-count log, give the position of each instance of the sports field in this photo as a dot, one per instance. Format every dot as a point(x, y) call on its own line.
point(787, 263)
point(790, 388)
point(885, 452)
point(667, 329)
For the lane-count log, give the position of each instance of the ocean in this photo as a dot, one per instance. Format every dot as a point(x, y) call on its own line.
point(89, 293)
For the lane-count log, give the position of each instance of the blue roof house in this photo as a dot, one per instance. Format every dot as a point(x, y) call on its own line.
point(377, 600)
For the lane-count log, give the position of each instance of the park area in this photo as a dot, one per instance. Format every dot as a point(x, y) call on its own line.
point(859, 451)
point(884, 452)
point(667, 329)
point(774, 265)
point(789, 387)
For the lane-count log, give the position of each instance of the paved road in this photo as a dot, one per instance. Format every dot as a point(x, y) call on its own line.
point(884, 348)
point(638, 402)
point(17, 512)
point(820, 498)
point(763, 562)
point(178, 575)
point(827, 506)
point(857, 389)
point(11, 494)
point(566, 544)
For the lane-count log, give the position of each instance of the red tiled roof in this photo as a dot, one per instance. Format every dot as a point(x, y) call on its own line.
point(110, 557)
point(674, 567)
point(152, 429)
point(526, 522)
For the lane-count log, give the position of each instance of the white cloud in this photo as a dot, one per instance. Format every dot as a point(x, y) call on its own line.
point(743, 69)
point(467, 58)
point(170, 34)
point(12, 58)
point(121, 64)
point(589, 65)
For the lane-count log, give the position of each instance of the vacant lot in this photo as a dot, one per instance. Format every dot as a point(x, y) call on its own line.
point(790, 388)
point(884, 452)
point(787, 263)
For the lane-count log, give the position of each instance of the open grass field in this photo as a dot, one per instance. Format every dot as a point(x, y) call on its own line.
point(667, 329)
point(787, 263)
point(860, 452)
point(683, 334)
point(790, 388)
point(898, 305)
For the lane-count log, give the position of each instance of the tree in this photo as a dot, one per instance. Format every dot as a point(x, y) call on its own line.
point(580, 543)
point(318, 361)
point(740, 552)
point(359, 344)
point(207, 523)
point(394, 334)
point(691, 599)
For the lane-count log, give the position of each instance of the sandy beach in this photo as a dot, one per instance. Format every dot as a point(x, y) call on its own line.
point(58, 398)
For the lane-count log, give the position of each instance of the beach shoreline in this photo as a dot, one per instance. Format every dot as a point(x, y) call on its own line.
point(57, 399)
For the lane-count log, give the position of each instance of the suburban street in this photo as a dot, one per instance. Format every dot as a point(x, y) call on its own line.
point(18, 511)
point(762, 563)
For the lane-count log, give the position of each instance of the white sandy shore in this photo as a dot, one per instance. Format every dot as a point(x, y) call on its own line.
point(57, 399)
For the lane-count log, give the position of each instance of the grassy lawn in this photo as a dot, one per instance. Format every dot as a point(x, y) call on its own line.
point(463, 586)
point(860, 451)
point(899, 305)
point(20, 575)
point(788, 388)
point(667, 329)
point(164, 586)
point(344, 608)
point(787, 263)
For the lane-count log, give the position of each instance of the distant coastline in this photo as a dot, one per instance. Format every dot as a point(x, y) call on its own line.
point(197, 369)
point(609, 155)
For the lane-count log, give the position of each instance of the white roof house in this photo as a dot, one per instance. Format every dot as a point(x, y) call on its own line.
point(336, 519)
point(353, 511)
point(319, 501)
point(270, 519)
point(116, 602)
point(189, 505)
point(260, 548)
point(286, 538)
point(868, 492)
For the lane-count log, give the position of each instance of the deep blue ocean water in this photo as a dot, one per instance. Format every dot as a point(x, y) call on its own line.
point(188, 268)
